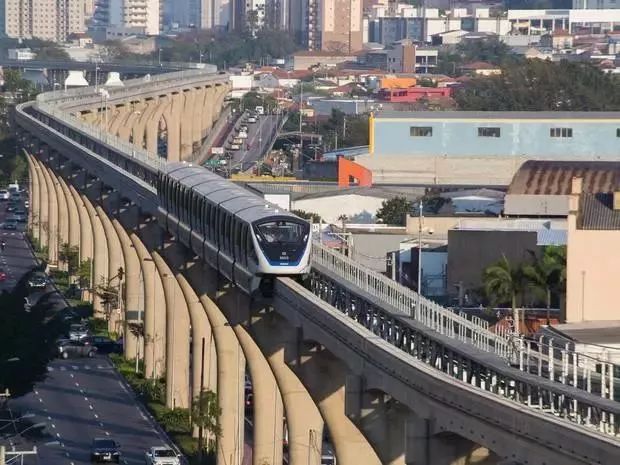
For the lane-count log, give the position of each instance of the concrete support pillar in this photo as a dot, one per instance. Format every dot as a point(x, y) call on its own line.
point(303, 419)
point(52, 220)
point(63, 215)
point(382, 420)
point(100, 256)
point(152, 125)
point(173, 126)
point(86, 229)
point(187, 123)
point(177, 337)
point(207, 110)
point(133, 295)
point(139, 129)
point(325, 376)
point(73, 215)
point(118, 118)
point(154, 313)
point(199, 108)
point(34, 212)
point(43, 205)
point(267, 399)
point(115, 261)
point(221, 92)
point(125, 132)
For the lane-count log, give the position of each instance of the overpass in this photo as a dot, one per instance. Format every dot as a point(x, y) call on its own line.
point(394, 378)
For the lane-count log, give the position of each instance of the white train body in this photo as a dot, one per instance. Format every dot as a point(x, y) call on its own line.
point(238, 233)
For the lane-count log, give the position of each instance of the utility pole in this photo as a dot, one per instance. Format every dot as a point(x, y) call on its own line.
point(420, 259)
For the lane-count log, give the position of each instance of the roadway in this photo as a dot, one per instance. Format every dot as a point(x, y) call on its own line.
point(80, 398)
point(258, 141)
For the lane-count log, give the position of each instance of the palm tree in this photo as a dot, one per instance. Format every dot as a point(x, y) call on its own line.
point(547, 274)
point(504, 283)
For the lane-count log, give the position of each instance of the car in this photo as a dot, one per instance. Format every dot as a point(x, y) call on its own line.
point(3, 275)
point(4, 194)
point(235, 147)
point(37, 281)
point(11, 207)
point(20, 218)
point(161, 455)
point(251, 120)
point(104, 344)
point(10, 223)
point(77, 332)
point(105, 450)
point(20, 211)
point(16, 196)
point(68, 348)
point(243, 128)
point(26, 203)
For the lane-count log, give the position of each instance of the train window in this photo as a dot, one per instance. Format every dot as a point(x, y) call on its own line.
point(282, 231)
point(227, 238)
point(251, 253)
point(213, 225)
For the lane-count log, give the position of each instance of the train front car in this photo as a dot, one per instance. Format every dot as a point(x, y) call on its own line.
point(283, 246)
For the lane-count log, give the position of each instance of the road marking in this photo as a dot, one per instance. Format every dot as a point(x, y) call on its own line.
point(107, 434)
point(67, 454)
point(86, 367)
point(62, 444)
point(49, 418)
point(90, 407)
point(50, 368)
point(96, 416)
point(53, 426)
point(75, 367)
point(77, 384)
point(58, 435)
point(36, 392)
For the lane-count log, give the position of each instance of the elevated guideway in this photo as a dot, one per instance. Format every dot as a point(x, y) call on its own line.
point(478, 382)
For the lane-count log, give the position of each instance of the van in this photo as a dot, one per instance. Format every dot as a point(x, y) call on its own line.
point(14, 187)
point(237, 141)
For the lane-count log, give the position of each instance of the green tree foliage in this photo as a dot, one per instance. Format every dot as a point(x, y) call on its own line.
point(537, 85)
point(490, 50)
point(205, 416)
point(310, 216)
point(505, 283)
point(52, 52)
point(346, 130)
point(70, 254)
point(394, 211)
point(83, 273)
point(253, 99)
point(546, 275)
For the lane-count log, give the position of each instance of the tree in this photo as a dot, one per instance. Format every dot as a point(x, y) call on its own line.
point(52, 52)
point(70, 254)
point(394, 211)
point(205, 416)
point(84, 273)
point(547, 274)
point(505, 283)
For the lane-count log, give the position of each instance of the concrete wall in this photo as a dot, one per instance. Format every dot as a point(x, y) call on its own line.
point(592, 139)
point(358, 208)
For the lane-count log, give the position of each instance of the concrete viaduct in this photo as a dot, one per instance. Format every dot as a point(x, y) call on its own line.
point(346, 356)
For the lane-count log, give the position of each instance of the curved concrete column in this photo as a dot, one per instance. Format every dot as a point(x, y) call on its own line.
point(304, 421)
point(187, 123)
point(139, 129)
point(177, 337)
point(100, 256)
point(126, 130)
point(86, 228)
point(208, 112)
point(116, 260)
point(43, 205)
point(52, 220)
point(73, 214)
point(221, 92)
point(154, 313)
point(325, 377)
point(173, 126)
point(197, 115)
point(34, 212)
point(118, 118)
point(63, 215)
point(133, 295)
point(152, 125)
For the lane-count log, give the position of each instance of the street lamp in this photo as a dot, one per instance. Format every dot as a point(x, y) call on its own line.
point(159, 56)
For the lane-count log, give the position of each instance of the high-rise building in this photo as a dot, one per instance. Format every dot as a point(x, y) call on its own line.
point(135, 15)
point(334, 25)
point(51, 20)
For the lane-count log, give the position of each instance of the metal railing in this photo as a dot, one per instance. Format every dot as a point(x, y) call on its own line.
point(470, 329)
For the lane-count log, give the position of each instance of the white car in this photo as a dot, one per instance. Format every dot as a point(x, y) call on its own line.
point(4, 195)
point(161, 455)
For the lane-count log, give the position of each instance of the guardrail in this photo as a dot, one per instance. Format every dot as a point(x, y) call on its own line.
point(460, 326)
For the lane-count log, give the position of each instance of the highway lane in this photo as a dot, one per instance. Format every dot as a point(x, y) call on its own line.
point(258, 139)
point(16, 259)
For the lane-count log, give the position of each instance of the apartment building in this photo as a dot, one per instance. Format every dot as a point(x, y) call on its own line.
point(334, 25)
point(51, 20)
point(136, 16)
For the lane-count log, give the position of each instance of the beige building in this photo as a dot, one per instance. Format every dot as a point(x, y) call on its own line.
point(335, 25)
point(51, 20)
point(593, 255)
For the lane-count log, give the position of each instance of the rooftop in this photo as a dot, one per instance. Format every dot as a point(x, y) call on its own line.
point(555, 177)
point(596, 211)
point(590, 332)
point(494, 115)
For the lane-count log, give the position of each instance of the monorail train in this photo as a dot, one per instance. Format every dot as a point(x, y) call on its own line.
point(239, 234)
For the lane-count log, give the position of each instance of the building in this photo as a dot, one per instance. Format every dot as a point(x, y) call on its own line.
point(334, 25)
point(592, 255)
point(53, 20)
point(478, 243)
point(594, 4)
point(584, 21)
point(543, 188)
point(125, 18)
point(481, 68)
point(319, 59)
point(402, 57)
point(557, 40)
point(413, 94)
point(324, 107)
point(21, 54)
point(482, 148)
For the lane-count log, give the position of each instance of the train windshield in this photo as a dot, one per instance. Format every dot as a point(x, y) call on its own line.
point(283, 232)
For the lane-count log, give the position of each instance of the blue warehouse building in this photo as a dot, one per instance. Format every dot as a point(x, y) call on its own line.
point(485, 148)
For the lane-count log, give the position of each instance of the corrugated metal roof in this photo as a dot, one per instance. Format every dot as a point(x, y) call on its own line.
point(551, 237)
point(537, 177)
point(596, 211)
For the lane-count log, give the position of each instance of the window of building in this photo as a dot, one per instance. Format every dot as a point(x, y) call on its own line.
point(420, 131)
point(488, 132)
point(618, 132)
point(561, 132)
